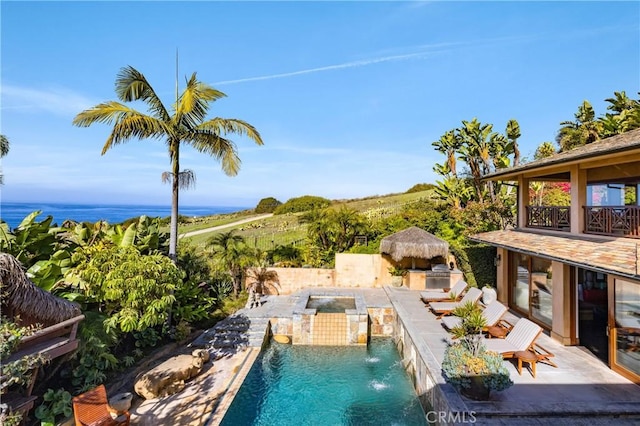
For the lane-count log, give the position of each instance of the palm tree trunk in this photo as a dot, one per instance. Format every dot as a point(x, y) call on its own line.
point(175, 187)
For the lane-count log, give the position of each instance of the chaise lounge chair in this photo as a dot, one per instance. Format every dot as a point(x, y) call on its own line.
point(492, 315)
point(92, 408)
point(441, 294)
point(522, 338)
point(445, 308)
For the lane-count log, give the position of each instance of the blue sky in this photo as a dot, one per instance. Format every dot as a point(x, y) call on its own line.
point(348, 96)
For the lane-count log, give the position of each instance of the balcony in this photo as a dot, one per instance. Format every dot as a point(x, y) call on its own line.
point(556, 218)
point(620, 221)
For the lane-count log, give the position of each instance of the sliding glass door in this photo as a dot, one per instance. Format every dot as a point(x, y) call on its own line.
point(626, 329)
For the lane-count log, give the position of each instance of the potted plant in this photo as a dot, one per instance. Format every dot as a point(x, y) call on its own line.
point(467, 364)
point(397, 275)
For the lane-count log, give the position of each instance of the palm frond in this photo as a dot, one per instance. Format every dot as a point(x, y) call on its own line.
point(223, 150)
point(194, 102)
point(4, 145)
point(224, 126)
point(186, 178)
point(106, 112)
point(132, 85)
point(135, 125)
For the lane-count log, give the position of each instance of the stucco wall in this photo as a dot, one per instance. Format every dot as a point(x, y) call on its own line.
point(294, 279)
point(358, 270)
point(351, 271)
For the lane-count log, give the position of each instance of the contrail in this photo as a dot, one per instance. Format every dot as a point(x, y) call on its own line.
point(327, 68)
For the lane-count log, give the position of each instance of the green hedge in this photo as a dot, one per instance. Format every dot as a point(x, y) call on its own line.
point(476, 263)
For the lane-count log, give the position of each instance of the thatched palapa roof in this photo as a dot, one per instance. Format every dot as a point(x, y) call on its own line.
point(21, 297)
point(414, 243)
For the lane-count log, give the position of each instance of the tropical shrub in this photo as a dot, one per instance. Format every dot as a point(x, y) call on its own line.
point(94, 359)
point(56, 406)
point(267, 205)
point(302, 204)
point(31, 241)
point(15, 373)
point(134, 290)
point(285, 256)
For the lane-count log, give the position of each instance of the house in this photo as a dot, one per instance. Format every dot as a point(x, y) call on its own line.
point(575, 269)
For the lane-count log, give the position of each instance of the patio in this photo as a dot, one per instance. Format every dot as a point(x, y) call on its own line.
point(582, 390)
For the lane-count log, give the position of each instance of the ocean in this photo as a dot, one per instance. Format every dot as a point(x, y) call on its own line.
point(14, 213)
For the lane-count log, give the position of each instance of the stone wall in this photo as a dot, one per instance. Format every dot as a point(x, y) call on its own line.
point(381, 322)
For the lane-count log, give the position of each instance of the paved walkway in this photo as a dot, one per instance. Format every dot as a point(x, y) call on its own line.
point(228, 225)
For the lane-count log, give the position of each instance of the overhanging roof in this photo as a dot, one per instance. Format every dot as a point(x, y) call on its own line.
point(615, 255)
point(627, 141)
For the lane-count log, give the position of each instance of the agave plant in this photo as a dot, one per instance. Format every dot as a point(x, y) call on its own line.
point(467, 363)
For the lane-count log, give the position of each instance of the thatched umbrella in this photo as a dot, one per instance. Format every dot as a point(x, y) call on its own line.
point(21, 297)
point(414, 243)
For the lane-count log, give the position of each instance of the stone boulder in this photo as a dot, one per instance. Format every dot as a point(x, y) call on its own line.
point(170, 376)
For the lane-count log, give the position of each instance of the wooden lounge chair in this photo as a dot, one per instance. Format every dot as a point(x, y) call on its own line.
point(521, 340)
point(445, 308)
point(492, 315)
point(441, 294)
point(92, 408)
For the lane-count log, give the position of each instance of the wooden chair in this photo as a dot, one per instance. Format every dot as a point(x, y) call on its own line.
point(492, 315)
point(441, 294)
point(445, 308)
point(92, 409)
point(521, 338)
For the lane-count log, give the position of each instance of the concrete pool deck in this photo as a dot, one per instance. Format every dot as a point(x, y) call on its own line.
point(582, 390)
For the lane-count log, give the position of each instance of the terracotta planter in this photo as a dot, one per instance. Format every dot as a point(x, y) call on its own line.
point(477, 391)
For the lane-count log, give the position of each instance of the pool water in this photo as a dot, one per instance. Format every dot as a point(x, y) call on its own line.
point(326, 385)
point(331, 304)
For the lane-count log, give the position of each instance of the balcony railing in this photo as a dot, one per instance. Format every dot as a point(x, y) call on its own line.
point(549, 217)
point(621, 221)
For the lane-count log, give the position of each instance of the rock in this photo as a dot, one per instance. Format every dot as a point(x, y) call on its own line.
point(170, 376)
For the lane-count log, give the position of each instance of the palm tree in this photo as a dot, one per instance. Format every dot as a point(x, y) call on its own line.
point(185, 124)
point(513, 133)
point(4, 150)
point(448, 144)
point(231, 254)
point(621, 102)
point(544, 150)
point(479, 145)
point(585, 129)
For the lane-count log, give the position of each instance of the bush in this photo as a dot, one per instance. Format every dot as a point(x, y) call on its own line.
point(302, 204)
point(267, 205)
point(419, 187)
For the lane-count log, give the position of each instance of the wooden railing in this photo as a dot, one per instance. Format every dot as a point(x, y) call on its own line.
point(549, 217)
point(623, 221)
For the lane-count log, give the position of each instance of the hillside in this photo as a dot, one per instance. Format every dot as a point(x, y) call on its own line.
point(285, 229)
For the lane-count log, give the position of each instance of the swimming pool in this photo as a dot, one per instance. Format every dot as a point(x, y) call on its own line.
point(326, 385)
